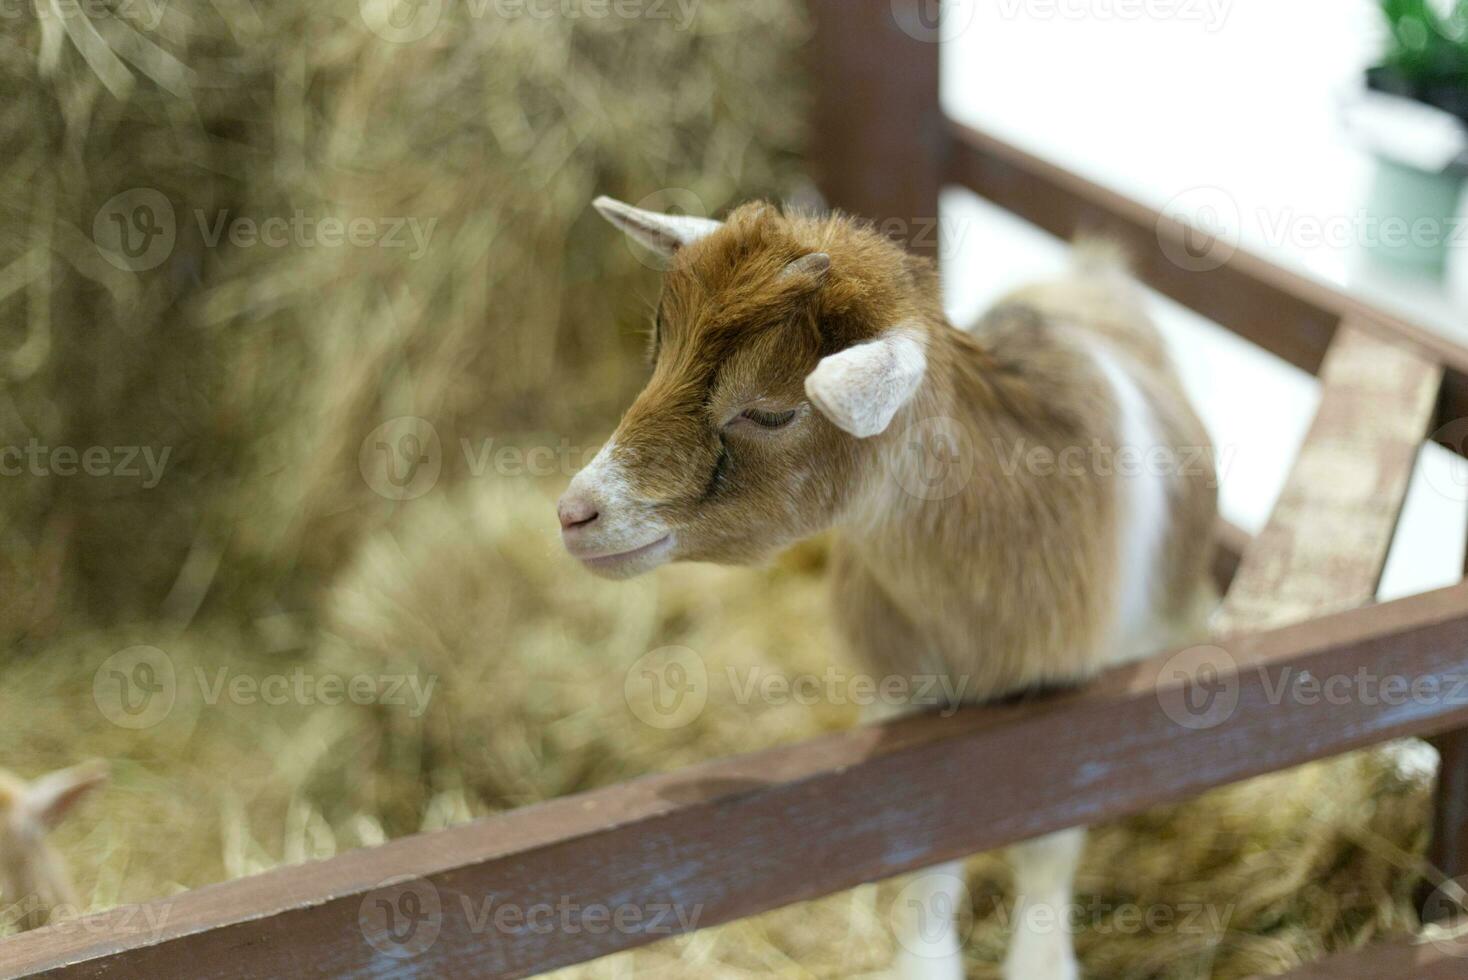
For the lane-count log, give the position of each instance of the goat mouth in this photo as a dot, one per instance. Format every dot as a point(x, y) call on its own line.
point(621, 558)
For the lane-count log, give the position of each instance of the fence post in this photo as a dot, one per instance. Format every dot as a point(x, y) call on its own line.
point(1447, 848)
point(878, 139)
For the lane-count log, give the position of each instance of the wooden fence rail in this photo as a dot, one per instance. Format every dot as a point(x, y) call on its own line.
point(723, 840)
point(1445, 959)
point(1283, 312)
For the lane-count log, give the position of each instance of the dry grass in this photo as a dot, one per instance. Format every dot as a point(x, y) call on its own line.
point(263, 369)
point(264, 552)
point(530, 657)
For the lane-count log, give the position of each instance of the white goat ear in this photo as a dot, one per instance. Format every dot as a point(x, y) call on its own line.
point(50, 798)
point(662, 233)
point(861, 388)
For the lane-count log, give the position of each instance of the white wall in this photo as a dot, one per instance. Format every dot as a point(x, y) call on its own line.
point(1238, 98)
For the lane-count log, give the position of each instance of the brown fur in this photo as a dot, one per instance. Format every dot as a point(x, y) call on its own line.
point(734, 333)
point(1007, 583)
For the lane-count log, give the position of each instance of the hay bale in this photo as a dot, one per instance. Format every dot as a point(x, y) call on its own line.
point(485, 299)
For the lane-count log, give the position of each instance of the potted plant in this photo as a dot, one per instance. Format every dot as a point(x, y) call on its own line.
point(1414, 115)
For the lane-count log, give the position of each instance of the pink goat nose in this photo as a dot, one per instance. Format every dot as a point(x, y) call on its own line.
point(575, 511)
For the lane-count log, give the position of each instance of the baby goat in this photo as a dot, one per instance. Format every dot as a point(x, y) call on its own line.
point(33, 879)
point(1013, 504)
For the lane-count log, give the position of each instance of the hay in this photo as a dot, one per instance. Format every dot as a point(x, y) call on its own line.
point(264, 552)
point(262, 369)
point(531, 657)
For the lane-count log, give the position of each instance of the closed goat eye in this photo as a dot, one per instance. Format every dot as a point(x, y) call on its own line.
point(767, 420)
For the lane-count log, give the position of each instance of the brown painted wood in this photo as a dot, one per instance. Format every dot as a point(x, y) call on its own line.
point(1447, 850)
point(733, 837)
point(1283, 312)
point(878, 137)
point(1233, 541)
point(1447, 847)
point(1446, 959)
point(1326, 542)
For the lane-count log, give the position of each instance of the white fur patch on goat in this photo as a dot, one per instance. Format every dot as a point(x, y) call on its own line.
point(1142, 513)
point(861, 388)
point(603, 478)
point(624, 521)
point(926, 912)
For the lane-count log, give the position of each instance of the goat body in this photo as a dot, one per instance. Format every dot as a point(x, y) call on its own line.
point(1016, 506)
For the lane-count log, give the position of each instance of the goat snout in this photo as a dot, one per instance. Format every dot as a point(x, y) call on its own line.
point(576, 511)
